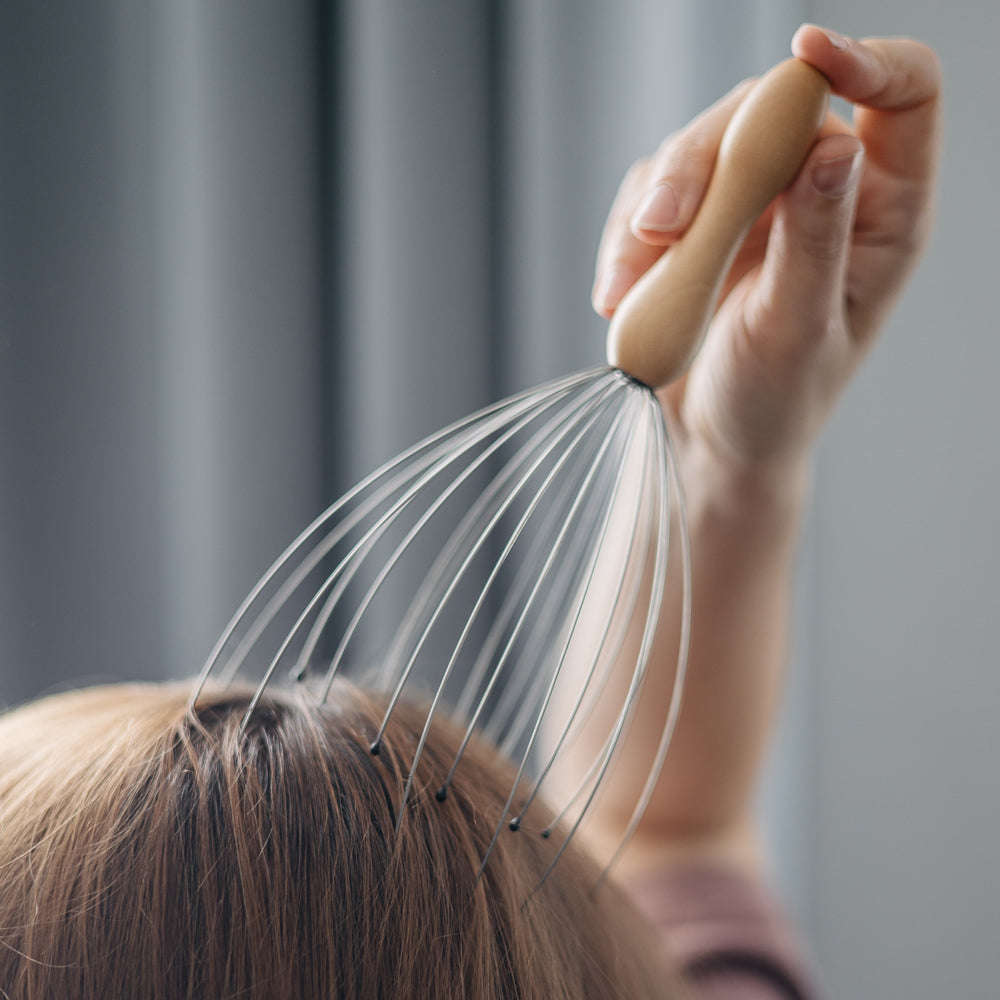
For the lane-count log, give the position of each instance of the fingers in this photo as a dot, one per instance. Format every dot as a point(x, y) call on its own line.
point(891, 74)
point(657, 201)
point(801, 291)
point(621, 258)
point(896, 82)
point(679, 173)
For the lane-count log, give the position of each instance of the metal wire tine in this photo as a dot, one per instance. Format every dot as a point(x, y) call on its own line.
point(527, 694)
point(562, 658)
point(494, 574)
point(387, 568)
point(512, 601)
point(652, 486)
point(583, 786)
point(525, 576)
point(469, 525)
point(454, 580)
point(411, 467)
point(355, 557)
point(514, 594)
point(523, 687)
point(540, 402)
point(684, 644)
point(534, 629)
point(608, 620)
point(642, 662)
point(472, 524)
point(520, 602)
point(625, 609)
point(586, 685)
point(465, 435)
point(524, 400)
point(611, 650)
point(322, 619)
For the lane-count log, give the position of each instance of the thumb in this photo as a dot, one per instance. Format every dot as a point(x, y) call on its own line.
point(802, 281)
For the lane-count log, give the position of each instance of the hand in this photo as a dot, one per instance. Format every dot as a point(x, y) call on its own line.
point(806, 296)
point(817, 275)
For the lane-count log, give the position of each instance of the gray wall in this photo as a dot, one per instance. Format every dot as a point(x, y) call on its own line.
point(904, 896)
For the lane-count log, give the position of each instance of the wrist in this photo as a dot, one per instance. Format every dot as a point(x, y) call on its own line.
point(755, 499)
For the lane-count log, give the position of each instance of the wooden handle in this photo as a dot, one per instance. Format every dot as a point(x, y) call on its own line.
point(660, 323)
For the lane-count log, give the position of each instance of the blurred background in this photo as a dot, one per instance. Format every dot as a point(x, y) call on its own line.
point(250, 249)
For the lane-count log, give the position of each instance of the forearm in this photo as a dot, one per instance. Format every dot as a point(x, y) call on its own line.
point(743, 530)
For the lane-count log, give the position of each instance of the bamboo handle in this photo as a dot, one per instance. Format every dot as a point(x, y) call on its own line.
point(660, 323)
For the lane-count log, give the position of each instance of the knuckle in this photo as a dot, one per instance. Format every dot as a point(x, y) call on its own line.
point(664, 148)
point(696, 145)
point(690, 149)
point(904, 224)
point(823, 247)
point(618, 258)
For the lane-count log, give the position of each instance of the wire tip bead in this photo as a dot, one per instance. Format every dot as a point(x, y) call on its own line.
point(376, 748)
point(515, 824)
point(442, 793)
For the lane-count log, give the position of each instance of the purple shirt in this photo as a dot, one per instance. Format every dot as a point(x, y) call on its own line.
point(727, 934)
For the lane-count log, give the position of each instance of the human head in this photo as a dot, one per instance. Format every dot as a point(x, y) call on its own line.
point(149, 850)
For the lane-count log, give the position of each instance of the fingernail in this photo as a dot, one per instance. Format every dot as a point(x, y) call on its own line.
point(838, 41)
point(834, 178)
point(658, 213)
point(610, 287)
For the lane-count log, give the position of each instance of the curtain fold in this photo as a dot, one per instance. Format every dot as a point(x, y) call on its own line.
point(79, 480)
point(160, 387)
point(237, 301)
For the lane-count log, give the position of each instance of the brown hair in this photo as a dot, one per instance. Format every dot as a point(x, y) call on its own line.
point(151, 851)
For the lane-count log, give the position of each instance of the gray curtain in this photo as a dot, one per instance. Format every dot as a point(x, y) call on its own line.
point(160, 398)
point(251, 249)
